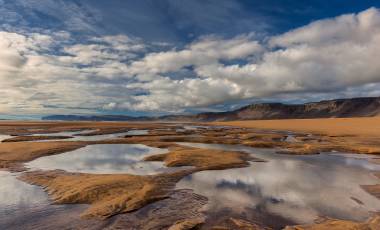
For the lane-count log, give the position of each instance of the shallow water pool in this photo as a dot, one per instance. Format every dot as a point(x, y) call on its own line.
point(76, 135)
point(3, 137)
point(15, 194)
point(298, 188)
point(103, 158)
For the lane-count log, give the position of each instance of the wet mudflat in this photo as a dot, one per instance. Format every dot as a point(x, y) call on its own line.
point(82, 135)
point(25, 206)
point(283, 190)
point(4, 137)
point(296, 188)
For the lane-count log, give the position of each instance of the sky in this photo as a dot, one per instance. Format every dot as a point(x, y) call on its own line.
point(151, 57)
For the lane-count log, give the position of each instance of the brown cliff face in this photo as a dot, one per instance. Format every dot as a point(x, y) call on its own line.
point(355, 107)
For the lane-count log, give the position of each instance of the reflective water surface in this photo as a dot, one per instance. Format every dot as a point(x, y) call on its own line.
point(24, 206)
point(76, 135)
point(64, 133)
point(300, 188)
point(3, 137)
point(104, 158)
point(15, 194)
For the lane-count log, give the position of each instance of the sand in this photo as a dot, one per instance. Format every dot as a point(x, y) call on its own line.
point(35, 138)
point(108, 194)
point(207, 159)
point(352, 135)
point(102, 192)
point(35, 127)
point(372, 223)
point(13, 154)
point(368, 126)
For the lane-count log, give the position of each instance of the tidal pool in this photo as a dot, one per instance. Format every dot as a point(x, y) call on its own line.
point(298, 188)
point(15, 194)
point(195, 127)
point(76, 135)
point(295, 188)
point(64, 133)
point(3, 137)
point(108, 136)
point(25, 206)
point(103, 158)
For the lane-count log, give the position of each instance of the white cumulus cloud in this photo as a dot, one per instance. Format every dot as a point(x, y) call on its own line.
point(51, 72)
point(329, 55)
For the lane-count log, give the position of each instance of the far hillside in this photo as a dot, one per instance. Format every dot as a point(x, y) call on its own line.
point(353, 107)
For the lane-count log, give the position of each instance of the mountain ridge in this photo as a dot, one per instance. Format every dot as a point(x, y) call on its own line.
point(351, 107)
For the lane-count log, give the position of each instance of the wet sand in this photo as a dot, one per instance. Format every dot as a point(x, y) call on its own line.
point(140, 193)
point(357, 135)
point(367, 126)
point(372, 223)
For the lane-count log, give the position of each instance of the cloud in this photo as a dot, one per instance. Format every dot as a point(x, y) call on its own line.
point(326, 56)
point(207, 50)
point(42, 70)
point(348, 28)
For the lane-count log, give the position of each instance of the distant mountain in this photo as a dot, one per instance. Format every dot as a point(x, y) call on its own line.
point(96, 118)
point(354, 107)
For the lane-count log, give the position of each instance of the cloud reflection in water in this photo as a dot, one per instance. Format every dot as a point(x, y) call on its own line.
point(300, 188)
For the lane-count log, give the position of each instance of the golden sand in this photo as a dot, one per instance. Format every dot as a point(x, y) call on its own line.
point(372, 223)
point(368, 126)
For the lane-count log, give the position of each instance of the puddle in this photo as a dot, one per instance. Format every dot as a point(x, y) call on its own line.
point(353, 155)
point(104, 158)
point(76, 135)
point(64, 133)
point(196, 127)
point(15, 194)
point(298, 188)
point(137, 132)
point(291, 139)
point(103, 136)
point(3, 137)
point(25, 206)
